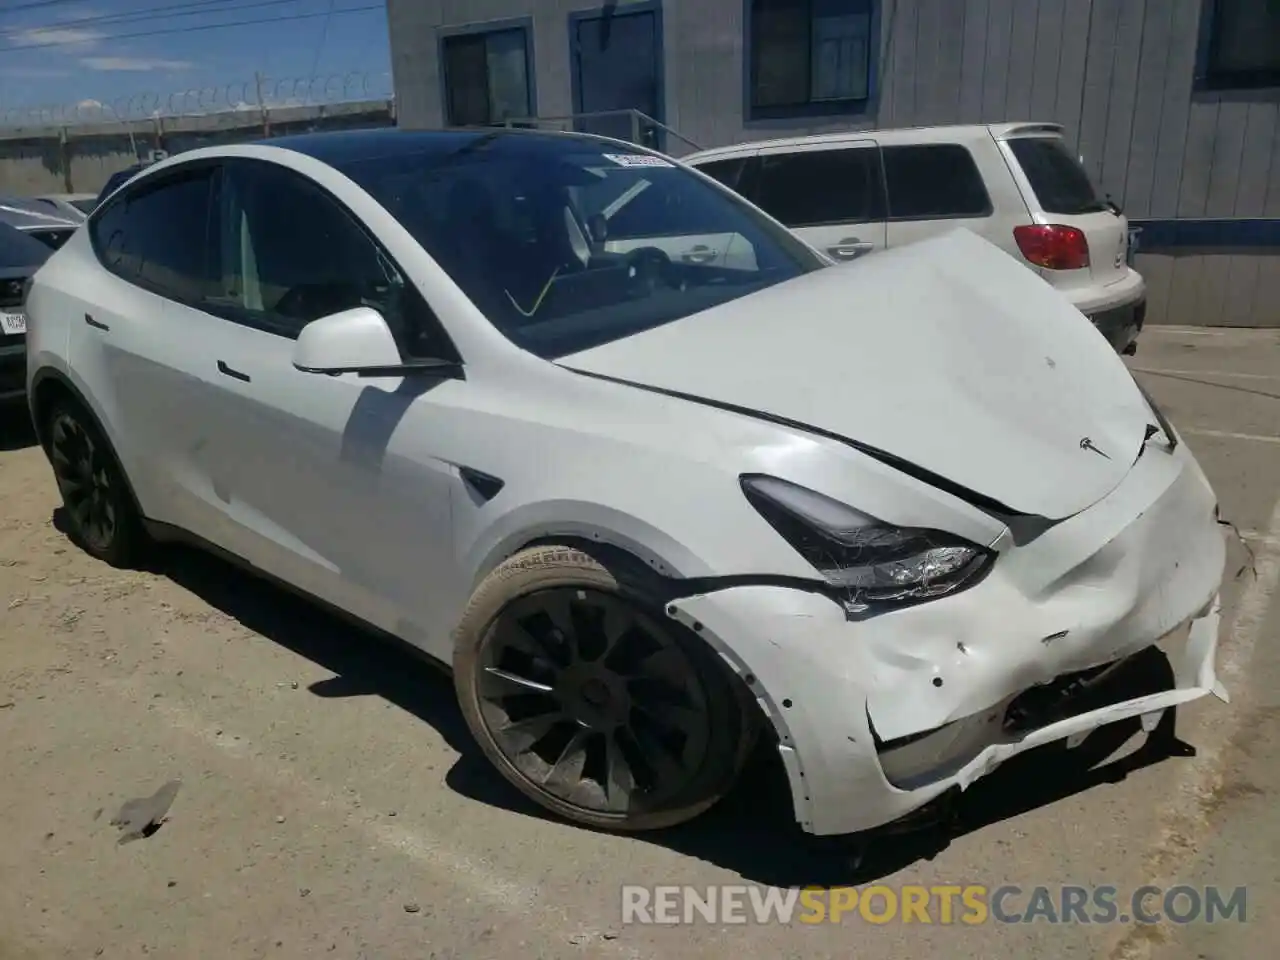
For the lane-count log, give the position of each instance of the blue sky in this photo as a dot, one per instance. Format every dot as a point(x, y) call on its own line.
point(126, 52)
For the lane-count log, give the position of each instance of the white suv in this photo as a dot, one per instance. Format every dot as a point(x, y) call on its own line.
point(1016, 184)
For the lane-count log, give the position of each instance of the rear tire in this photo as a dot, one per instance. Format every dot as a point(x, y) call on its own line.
point(589, 700)
point(101, 516)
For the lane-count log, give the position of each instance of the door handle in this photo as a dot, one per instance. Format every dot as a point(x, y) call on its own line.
point(700, 254)
point(850, 248)
point(96, 324)
point(234, 374)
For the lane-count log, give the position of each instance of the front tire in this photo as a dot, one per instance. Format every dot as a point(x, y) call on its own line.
point(591, 702)
point(101, 516)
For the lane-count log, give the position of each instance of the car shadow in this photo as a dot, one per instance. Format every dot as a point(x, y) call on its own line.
point(386, 667)
point(752, 831)
point(16, 430)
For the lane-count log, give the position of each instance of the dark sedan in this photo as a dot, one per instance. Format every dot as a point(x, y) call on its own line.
point(20, 257)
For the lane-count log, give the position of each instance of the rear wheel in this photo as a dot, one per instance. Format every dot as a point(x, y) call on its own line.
point(101, 516)
point(589, 701)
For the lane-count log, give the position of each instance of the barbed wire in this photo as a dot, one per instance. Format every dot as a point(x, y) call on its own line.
point(244, 95)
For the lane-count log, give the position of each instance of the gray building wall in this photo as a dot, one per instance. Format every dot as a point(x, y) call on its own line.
point(1118, 74)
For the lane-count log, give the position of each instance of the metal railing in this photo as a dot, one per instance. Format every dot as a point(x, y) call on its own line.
point(631, 125)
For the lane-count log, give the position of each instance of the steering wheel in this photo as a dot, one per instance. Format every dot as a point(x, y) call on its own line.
point(648, 268)
point(308, 301)
point(293, 303)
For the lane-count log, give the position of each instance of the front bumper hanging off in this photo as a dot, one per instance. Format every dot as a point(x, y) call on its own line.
point(875, 719)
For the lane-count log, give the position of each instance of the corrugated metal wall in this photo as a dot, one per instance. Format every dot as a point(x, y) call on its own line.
point(1118, 74)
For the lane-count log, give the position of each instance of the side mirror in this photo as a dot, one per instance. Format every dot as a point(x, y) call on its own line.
point(358, 341)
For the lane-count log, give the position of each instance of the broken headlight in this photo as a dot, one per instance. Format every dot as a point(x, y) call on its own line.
point(867, 560)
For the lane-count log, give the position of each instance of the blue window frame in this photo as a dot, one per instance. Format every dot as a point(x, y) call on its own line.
point(810, 57)
point(1239, 45)
point(618, 64)
point(486, 73)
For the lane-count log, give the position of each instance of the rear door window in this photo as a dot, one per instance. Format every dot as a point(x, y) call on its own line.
point(811, 188)
point(1059, 182)
point(729, 172)
point(159, 235)
point(937, 181)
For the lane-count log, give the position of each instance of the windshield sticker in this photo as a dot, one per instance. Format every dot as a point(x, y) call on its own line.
point(637, 160)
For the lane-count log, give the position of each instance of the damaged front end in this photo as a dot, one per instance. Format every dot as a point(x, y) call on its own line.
point(924, 663)
point(1157, 676)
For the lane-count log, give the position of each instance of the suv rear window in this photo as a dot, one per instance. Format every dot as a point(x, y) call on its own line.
point(1056, 177)
point(934, 182)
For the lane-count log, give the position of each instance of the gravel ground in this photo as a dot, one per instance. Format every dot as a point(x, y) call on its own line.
point(331, 803)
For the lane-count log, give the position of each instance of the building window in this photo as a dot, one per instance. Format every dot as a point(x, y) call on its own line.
point(1240, 48)
point(486, 76)
point(809, 57)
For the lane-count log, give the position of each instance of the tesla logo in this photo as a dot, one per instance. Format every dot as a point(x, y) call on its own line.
point(1087, 444)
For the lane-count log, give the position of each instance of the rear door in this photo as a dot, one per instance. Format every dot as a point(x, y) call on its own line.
point(831, 195)
point(145, 353)
point(934, 188)
point(1058, 190)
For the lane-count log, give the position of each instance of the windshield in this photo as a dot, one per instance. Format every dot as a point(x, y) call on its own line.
point(85, 204)
point(570, 243)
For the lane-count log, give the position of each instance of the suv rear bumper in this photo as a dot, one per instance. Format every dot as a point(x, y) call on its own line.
point(1121, 325)
point(1118, 310)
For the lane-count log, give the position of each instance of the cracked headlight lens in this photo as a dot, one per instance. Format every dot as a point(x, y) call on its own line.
point(870, 561)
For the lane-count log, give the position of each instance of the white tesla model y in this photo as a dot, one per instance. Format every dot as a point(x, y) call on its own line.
point(653, 475)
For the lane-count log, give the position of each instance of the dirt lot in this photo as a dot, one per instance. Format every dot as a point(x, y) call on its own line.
point(332, 805)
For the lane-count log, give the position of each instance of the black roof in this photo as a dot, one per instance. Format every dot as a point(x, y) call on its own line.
point(340, 147)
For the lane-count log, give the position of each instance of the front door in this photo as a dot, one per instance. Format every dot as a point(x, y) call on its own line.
point(327, 482)
point(617, 66)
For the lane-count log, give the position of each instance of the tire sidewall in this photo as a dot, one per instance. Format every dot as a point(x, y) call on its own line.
point(541, 568)
point(125, 539)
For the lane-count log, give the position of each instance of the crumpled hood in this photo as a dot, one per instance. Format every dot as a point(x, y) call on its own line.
point(948, 354)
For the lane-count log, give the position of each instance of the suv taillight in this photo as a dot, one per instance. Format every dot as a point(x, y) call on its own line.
point(1052, 246)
